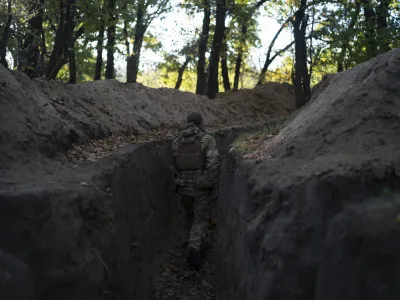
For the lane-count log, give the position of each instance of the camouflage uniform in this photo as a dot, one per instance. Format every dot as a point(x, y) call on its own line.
point(198, 185)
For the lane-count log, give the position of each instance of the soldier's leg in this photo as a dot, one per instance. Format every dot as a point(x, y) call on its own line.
point(202, 214)
point(187, 203)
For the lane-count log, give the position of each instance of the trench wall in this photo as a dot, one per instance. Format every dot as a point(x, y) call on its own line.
point(102, 239)
point(327, 237)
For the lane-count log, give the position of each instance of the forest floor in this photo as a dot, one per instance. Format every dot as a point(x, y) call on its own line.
point(178, 281)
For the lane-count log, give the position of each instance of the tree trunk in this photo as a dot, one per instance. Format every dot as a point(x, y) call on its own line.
point(239, 57)
point(349, 34)
point(43, 36)
point(99, 59)
point(111, 30)
point(70, 45)
point(180, 73)
point(134, 59)
point(57, 59)
point(6, 36)
point(34, 47)
point(64, 40)
point(269, 60)
point(225, 74)
point(126, 38)
point(370, 33)
point(201, 63)
point(382, 26)
point(302, 80)
point(212, 85)
point(224, 66)
point(72, 65)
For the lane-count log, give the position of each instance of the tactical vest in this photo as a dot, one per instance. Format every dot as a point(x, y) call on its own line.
point(189, 155)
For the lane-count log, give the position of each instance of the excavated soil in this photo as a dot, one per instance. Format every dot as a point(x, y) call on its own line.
point(312, 211)
point(309, 208)
point(87, 202)
point(40, 118)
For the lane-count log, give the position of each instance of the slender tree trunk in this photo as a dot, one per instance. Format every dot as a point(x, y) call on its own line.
point(57, 59)
point(110, 51)
point(71, 42)
point(6, 36)
point(134, 59)
point(126, 38)
point(239, 57)
point(370, 33)
point(127, 46)
point(72, 65)
point(302, 80)
point(64, 41)
point(99, 48)
point(269, 60)
point(238, 66)
point(201, 63)
point(349, 34)
point(43, 35)
point(382, 25)
point(180, 73)
point(111, 31)
point(212, 85)
point(224, 65)
point(225, 74)
point(34, 47)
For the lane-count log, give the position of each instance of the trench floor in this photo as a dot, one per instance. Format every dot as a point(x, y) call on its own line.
point(178, 281)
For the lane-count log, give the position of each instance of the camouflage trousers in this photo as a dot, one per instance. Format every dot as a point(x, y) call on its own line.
point(200, 206)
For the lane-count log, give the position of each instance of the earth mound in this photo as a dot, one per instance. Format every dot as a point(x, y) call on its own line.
point(88, 207)
point(314, 210)
point(40, 117)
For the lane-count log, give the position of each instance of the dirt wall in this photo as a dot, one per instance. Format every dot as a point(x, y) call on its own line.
point(86, 241)
point(312, 212)
point(98, 231)
point(329, 237)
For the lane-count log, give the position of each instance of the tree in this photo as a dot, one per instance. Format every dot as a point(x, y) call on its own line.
point(212, 84)
point(6, 36)
point(224, 64)
point(146, 12)
point(100, 42)
point(63, 51)
point(201, 63)
point(111, 32)
point(302, 79)
point(269, 59)
point(244, 14)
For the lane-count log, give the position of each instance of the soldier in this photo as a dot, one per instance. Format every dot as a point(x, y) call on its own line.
point(197, 165)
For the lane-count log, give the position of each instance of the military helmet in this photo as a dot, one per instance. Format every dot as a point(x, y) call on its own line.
point(195, 118)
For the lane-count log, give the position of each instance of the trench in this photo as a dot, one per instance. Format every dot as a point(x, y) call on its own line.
point(120, 235)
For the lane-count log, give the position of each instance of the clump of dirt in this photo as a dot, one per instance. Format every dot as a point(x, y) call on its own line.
point(178, 281)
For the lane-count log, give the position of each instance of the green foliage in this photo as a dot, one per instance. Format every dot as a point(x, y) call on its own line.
point(338, 34)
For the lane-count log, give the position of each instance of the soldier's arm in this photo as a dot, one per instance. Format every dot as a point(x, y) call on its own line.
point(213, 164)
point(175, 145)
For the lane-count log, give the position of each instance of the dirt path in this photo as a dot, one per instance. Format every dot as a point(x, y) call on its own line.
point(178, 281)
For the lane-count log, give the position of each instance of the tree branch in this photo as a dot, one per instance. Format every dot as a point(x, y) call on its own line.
point(259, 4)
